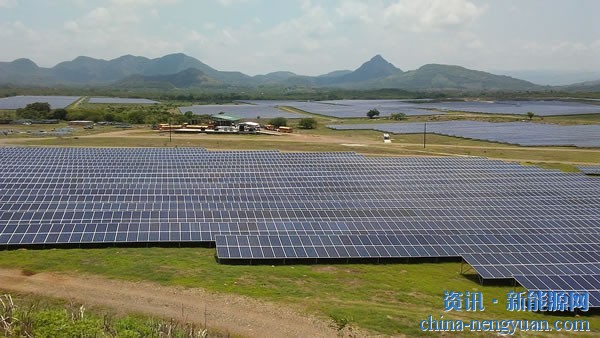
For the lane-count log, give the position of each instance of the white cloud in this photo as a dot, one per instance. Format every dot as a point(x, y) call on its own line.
point(196, 37)
point(71, 26)
point(144, 2)
point(357, 10)
point(229, 3)
point(425, 15)
point(313, 24)
point(228, 37)
point(98, 17)
point(8, 3)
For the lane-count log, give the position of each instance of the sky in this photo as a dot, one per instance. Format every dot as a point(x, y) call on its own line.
point(310, 37)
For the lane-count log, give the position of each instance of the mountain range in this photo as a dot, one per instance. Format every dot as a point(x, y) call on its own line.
point(182, 71)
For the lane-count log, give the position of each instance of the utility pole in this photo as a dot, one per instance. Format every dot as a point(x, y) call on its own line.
point(170, 129)
point(424, 134)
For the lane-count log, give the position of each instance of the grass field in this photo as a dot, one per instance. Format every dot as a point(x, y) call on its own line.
point(31, 316)
point(384, 298)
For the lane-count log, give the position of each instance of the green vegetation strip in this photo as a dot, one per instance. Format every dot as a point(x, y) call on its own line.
point(29, 316)
point(384, 298)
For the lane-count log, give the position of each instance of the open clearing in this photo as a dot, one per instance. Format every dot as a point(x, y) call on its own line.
point(387, 299)
point(323, 139)
point(237, 314)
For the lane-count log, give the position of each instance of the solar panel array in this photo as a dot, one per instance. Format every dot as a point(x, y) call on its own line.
point(359, 108)
point(521, 133)
point(247, 111)
point(589, 169)
point(504, 219)
point(120, 100)
point(56, 102)
point(577, 283)
point(539, 108)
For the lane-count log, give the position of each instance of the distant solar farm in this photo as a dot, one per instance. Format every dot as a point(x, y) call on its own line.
point(521, 133)
point(61, 102)
point(359, 108)
point(119, 100)
point(508, 221)
point(247, 111)
point(540, 108)
point(56, 102)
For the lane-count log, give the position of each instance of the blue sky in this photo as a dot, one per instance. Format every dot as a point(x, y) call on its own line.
point(310, 37)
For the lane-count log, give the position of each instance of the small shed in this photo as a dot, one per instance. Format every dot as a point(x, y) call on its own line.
point(223, 119)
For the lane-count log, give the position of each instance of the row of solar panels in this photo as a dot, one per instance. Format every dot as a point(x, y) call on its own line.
point(443, 206)
point(589, 283)
point(472, 228)
point(589, 169)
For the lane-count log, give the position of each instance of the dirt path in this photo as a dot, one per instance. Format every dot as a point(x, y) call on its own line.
point(232, 313)
point(331, 139)
point(353, 144)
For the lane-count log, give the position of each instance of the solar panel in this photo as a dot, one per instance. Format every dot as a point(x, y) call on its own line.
point(589, 169)
point(263, 205)
point(589, 283)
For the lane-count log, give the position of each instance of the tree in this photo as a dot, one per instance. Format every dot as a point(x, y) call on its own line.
point(136, 117)
point(307, 123)
point(530, 114)
point(372, 113)
point(59, 114)
point(42, 107)
point(278, 122)
point(36, 110)
point(109, 117)
point(398, 116)
point(189, 116)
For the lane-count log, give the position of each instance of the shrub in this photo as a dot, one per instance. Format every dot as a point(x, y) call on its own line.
point(278, 122)
point(308, 123)
point(398, 116)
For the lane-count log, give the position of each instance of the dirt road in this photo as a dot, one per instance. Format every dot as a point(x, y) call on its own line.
point(232, 313)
